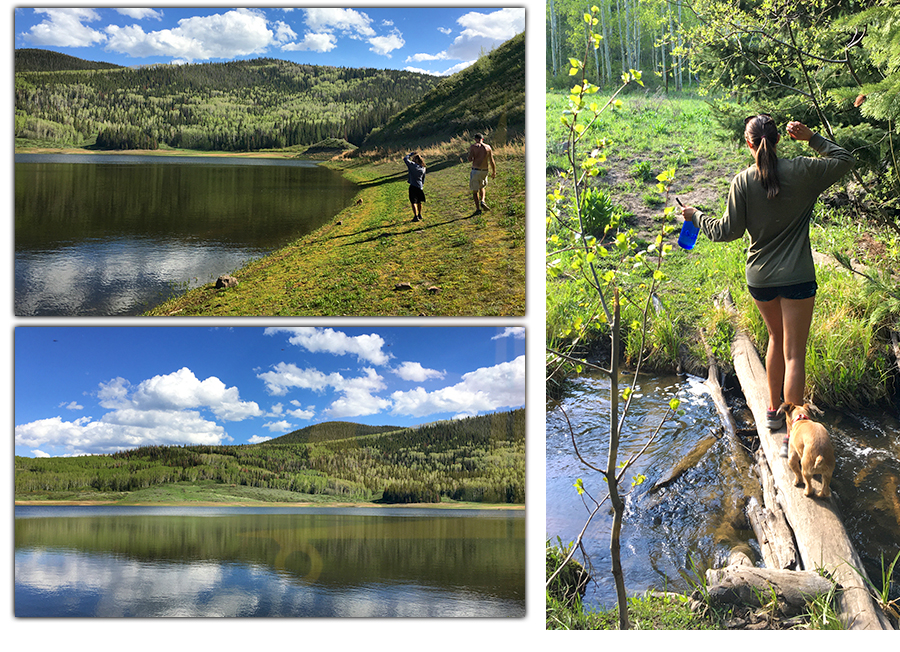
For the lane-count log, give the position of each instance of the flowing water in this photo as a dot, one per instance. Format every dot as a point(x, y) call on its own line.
point(695, 521)
point(280, 561)
point(118, 234)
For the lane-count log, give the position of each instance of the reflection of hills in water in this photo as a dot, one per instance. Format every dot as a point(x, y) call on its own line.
point(94, 237)
point(478, 553)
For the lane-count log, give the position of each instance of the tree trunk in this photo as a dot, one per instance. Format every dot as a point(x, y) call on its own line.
point(554, 37)
point(611, 462)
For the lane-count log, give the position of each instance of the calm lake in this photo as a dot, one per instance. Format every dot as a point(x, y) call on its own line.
point(700, 517)
point(279, 561)
point(116, 234)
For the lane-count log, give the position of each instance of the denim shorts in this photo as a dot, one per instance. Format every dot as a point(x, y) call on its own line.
point(796, 292)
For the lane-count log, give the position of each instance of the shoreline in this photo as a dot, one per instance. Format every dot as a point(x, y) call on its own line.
point(205, 503)
point(355, 263)
point(155, 152)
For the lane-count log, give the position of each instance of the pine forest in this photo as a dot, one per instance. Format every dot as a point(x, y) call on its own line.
point(235, 106)
point(476, 459)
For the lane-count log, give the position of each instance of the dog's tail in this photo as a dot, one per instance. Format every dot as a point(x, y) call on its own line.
point(818, 462)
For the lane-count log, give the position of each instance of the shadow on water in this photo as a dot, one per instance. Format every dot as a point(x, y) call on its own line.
point(698, 518)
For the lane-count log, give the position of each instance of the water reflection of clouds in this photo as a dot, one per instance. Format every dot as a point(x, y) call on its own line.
point(115, 278)
point(114, 587)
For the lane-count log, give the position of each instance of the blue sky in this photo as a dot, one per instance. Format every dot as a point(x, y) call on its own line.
point(437, 40)
point(89, 390)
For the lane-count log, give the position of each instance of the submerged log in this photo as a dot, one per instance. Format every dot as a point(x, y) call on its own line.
point(688, 461)
point(822, 540)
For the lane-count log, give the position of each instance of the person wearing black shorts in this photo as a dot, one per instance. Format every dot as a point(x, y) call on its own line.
point(773, 201)
point(415, 166)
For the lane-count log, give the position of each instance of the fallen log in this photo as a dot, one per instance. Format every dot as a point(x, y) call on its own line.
point(740, 584)
point(769, 522)
point(822, 540)
point(774, 536)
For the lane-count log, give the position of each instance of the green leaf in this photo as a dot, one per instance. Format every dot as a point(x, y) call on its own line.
point(579, 486)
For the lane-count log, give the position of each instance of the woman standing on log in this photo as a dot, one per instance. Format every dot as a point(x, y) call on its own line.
point(773, 201)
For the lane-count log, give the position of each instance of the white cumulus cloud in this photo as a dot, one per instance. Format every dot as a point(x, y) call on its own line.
point(238, 32)
point(483, 390)
point(314, 43)
point(415, 372)
point(65, 28)
point(140, 14)
point(515, 332)
point(366, 348)
point(343, 20)
point(182, 390)
point(384, 45)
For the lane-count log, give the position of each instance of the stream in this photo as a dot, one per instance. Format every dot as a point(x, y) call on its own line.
point(694, 522)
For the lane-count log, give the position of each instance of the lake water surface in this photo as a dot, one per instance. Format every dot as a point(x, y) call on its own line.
point(117, 234)
point(280, 561)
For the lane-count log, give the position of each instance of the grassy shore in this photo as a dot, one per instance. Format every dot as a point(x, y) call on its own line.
point(372, 260)
point(211, 494)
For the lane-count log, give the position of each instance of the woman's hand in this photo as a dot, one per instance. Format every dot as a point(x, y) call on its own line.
point(799, 131)
point(687, 212)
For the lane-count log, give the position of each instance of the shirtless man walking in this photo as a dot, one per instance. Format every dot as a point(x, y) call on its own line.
point(482, 157)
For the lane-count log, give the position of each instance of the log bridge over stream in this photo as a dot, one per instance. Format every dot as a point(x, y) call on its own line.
point(815, 524)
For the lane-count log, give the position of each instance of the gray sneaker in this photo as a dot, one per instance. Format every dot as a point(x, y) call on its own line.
point(784, 448)
point(774, 421)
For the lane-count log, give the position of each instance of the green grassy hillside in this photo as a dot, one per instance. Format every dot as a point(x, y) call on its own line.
point(488, 96)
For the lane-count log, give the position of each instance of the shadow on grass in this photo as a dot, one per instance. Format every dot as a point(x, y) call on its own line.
point(401, 176)
point(417, 226)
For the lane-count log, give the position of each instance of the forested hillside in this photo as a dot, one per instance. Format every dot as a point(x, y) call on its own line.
point(488, 96)
point(235, 106)
point(478, 459)
point(330, 431)
point(36, 60)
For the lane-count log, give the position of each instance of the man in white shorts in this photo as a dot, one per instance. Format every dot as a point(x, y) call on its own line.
point(482, 157)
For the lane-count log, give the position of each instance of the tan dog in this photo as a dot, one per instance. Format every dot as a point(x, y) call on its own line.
point(811, 452)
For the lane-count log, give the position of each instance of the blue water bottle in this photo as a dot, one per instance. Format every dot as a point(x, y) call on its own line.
point(688, 236)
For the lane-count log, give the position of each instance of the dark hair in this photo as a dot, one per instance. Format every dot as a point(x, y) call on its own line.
point(762, 134)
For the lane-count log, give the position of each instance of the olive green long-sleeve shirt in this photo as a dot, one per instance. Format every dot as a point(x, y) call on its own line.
point(780, 252)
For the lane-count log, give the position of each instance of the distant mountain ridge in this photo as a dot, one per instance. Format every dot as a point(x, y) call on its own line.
point(479, 459)
point(245, 105)
point(38, 60)
point(330, 431)
point(249, 105)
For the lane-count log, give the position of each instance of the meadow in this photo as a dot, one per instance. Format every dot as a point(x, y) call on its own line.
point(848, 361)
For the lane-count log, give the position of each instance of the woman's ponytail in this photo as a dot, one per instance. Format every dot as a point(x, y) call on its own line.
point(762, 134)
